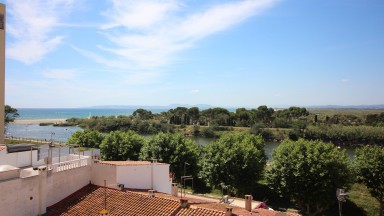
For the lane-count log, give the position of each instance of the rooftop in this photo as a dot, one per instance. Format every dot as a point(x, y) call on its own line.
point(2, 147)
point(90, 201)
point(127, 163)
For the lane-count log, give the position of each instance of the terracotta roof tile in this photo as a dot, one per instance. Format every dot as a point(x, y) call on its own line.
point(200, 211)
point(2, 147)
point(90, 201)
point(126, 163)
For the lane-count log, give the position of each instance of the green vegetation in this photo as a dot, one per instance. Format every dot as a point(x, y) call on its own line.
point(87, 138)
point(181, 153)
point(308, 173)
point(341, 127)
point(369, 164)
point(235, 160)
point(121, 146)
point(10, 114)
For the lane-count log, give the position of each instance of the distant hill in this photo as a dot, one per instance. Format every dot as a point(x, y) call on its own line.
point(171, 106)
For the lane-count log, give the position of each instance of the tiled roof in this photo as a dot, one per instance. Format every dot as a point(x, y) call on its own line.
point(199, 212)
point(126, 163)
point(266, 212)
point(90, 201)
point(2, 147)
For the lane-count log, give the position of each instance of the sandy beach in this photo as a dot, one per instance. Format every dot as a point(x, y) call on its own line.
point(37, 121)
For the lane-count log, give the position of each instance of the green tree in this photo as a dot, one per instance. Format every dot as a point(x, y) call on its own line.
point(369, 163)
point(143, 114)
point(308, 173)
point(174, 149)
point(10, 114)
point(237, 160)
point(121, 146)
point(87, 138)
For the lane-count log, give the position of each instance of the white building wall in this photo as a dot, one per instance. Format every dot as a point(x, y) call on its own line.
point(101, 172)
point(20, 197)
point(18, 159)
point(161, 181)
point(138, 177)
point(62, 184)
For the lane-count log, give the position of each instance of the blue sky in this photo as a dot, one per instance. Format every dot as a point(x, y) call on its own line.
point(239, 53)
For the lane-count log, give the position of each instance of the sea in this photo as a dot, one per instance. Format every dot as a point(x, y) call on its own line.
point(34, 131)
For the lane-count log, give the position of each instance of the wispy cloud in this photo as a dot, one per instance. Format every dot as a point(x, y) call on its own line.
point(62, 74)
point(195, 91)
point(344, 80)
point(31, 26)
point(147, 35)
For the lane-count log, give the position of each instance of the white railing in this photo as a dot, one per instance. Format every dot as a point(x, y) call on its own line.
point(66, 165)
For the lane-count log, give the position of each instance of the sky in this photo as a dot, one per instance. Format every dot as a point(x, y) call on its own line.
point(225, 53)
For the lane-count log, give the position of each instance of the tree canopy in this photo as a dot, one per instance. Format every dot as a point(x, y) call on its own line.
point(174, 149)
point(237, 160)
point(121, 146)
point(369, 164)
point(308, 173)
point(87, 138)
point(10, 114)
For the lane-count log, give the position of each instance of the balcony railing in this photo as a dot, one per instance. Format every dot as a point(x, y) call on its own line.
point(72, 164)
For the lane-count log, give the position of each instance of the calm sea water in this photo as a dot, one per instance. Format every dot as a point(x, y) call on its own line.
point(65, 113)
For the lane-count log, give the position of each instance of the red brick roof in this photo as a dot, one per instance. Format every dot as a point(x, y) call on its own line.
point(126, 163)
point(199, 212)
point(2, 147)
point(90, 201)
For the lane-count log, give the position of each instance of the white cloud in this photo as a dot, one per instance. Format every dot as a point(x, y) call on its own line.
point(62, 74)
point(31, 26)
point(147, 35)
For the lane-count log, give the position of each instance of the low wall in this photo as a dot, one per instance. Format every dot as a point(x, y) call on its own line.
point(101, 172)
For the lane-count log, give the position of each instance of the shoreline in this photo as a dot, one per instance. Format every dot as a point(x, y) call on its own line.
point(38, 121)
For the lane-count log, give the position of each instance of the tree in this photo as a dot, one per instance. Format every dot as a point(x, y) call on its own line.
point(369, 164)
point(174, 149)
point(237, 160)
point(143, 114)
point(87, 138)
point(308, 173)
point(121, 146)
point(10, 114)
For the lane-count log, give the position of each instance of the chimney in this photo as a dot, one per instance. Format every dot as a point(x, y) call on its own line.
point(183, 203)
point(248, 202)
point(151, 193)
point(228, 211)
point(174, 189)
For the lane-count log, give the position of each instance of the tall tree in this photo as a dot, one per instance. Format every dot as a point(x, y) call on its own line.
point(308, 173)
point(10, 114)
point(180, 152)
point(87, 138)
point(237, 160)
point(121, 146)
point(369, 163)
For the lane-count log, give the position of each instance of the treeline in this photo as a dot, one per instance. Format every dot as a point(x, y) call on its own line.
point(237, 162)
point(271, 124)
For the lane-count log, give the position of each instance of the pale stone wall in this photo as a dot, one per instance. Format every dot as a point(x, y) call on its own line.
point(161, 181)
point(138, 177)
point(101, 172)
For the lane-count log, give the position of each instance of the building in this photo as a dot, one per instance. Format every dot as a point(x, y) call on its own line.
point(81, 184)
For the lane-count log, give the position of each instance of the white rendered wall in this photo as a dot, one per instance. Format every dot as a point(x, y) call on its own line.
point(20, 197)
point(161, 181)
point(18, 159)
point(134, 176)
point(62, 184)
point(101, 172)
